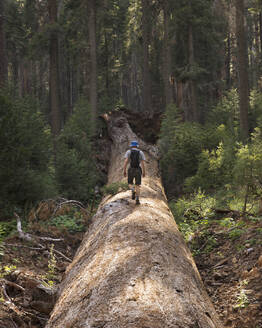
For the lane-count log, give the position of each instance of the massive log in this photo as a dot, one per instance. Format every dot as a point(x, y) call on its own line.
point(133, 268)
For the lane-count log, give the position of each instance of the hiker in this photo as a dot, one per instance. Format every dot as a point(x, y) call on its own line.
point(135, 157)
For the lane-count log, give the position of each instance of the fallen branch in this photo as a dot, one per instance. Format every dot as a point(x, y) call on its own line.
point(21, 233)
point(12, 320)
point(23, 246)
point(72, 202)
point(13, 284)
point(9, 302)
point(62, 255)
point(32, 239)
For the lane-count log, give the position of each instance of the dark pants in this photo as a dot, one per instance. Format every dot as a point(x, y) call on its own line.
point(134, 173)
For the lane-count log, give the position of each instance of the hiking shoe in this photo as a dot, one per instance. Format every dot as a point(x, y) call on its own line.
point(133, 194)
point(137, 201)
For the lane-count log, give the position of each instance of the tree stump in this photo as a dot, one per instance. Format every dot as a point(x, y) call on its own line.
point(133, 268)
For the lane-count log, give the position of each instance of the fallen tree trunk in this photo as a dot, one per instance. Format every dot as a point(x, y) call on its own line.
point(133, 268)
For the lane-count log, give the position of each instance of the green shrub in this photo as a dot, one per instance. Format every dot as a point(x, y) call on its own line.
point(114, 188)
point(236, 233)
point(226, 112)
point(67, 222)
point(26, 150)
point(215, 165)
point(7, 228)
point(193, 213)
point(248, 166)
point(76, 171)
point(180, 145)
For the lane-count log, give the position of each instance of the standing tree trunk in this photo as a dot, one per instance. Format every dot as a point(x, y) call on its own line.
point(192, 83)
point(147, 94)
point(242, 62)
point(260, 32)
point(228, 61)
point(93, 60)
point(3, 57)
point(133, 268)
point(54, 71)
point(167, 57)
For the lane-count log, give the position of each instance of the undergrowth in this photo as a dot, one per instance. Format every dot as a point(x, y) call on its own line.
point(114, 188)
point(197, 214)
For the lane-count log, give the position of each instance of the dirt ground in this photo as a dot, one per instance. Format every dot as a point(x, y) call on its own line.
point(232, 272)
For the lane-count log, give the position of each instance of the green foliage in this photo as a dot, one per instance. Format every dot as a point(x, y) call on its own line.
point(114, 188)
point(226, 112)
point(242, 300)
point(214, 169)
point(68, 222)
point(7, 228)
point(227, 222)
point(180, 144)
point(248, 166)
point(255, 114)
point(193, 213)
point(25, 153)
point(76, 171)
point(236, 233)
point(51, 275)
point(6, 269)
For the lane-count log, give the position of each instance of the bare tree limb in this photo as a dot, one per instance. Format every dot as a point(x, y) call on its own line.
point(73, 202)
point(32, 239)
point(13, 284)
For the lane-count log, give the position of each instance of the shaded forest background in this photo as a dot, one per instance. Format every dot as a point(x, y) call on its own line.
point(191, 70)
point(195, 64)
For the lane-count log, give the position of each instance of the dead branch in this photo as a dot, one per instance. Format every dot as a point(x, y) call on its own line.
point(9, 302)
point(62, 255)
point(29, 237)
point(49, 239)
point(13, 284)
point(72, 202)
point(32, 239)
point(23, 246)
point(21, 234)
point(12, 320)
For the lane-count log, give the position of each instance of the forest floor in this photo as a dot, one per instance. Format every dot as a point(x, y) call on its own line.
point(229, 259)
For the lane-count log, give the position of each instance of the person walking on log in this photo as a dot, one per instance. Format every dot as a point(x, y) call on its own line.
point(134, 157)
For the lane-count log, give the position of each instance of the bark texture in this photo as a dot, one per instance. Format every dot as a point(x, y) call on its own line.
point(192, 83)
point(167, 56)
point(147, 93)
point(93, 60)
point(54, 70)
point(3, 57)
point(133, 268)
point(242, 62)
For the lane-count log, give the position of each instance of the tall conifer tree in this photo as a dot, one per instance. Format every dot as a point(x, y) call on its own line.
point(242, 61)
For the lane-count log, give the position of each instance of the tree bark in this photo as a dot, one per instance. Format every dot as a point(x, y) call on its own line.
point(169, 98)
point(93, 60)
point(133, 268)
point(3, 57)
point(228, 61)
point(242, 62)
point(147, 93)
point(54, 71)
point(192, 83)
